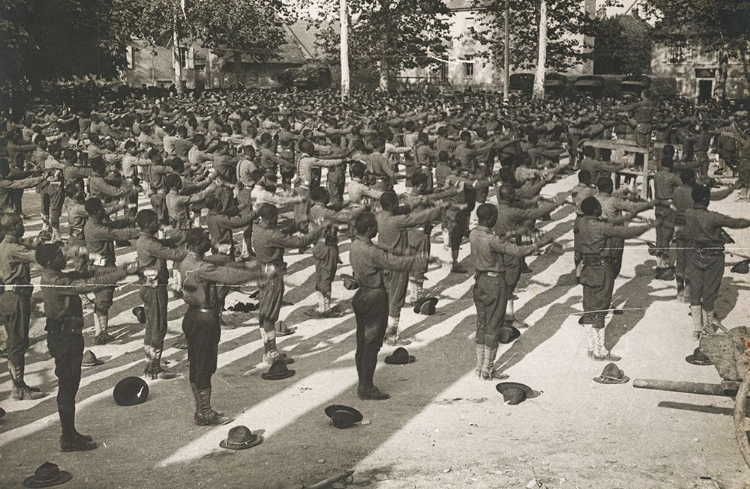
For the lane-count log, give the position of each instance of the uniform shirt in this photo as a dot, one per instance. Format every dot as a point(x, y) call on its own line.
point(580, 193)
point(704, 227)
point(306, 164)
point(378, 165)
point(77, 217)
point(359, 193)
point(73, 173)
point(392, 229)
point(15, 268)
point(168, 142)
point(200, 279)
point(100, 236)
point(7, 185)
point(101, 189)
point(129, 165)
point(368, 262)
point(665, 182)
point(598, 169)
point(269, 243)
point(178, 205)
point(153, 255)
point(270, 161)
point(487, 250)
point(220, 227)
point(613, 207)
point(198, 157)
point(594, 235)
point(62, 291)
point(509, 218)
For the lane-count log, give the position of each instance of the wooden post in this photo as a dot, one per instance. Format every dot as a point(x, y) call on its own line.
point(176, 55)
point(541, 61)
point(646, 158)
point(506, 52)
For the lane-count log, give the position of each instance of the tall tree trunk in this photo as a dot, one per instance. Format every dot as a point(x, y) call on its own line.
point(506, 53)
point(541, 61)
point(344, 20)
point(176, 55)
point(721, 84)
point(384, 74)
point(237, 58)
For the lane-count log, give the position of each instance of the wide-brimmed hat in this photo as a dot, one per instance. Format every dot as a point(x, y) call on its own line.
point(46, 475)
point(90, 360)
point(350, 281)
point(343, 416)
point(612, 375)
point(140, 314)
point(515, 393)
point(507, 334)
point(698, 358)
point(240, 438)
point(742, 267)
point(426, 306)
point(244, 307)
point(131, 391)
point(2, 412)
point(400, 357)
point(278, 371)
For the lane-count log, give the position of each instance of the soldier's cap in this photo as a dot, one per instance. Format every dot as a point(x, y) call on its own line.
point(698, 358)
point(131, 391)
point(343, 416)
point(240, 438)
point(515, 392)
point(426, 306)
point(742, 267)
point(400, 356)
point(612, 375)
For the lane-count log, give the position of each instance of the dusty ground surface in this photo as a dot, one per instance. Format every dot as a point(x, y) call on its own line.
point(441, 428)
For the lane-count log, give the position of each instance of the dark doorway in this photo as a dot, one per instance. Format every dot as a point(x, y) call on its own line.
point(705, 89)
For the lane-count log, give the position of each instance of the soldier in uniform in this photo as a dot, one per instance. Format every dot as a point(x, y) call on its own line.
point(64, 312)
point(15, 302)
point(326, 250)
point(511, 219)
point(269, 244)
point(665, 183)
point(581, 191)
point(10, 184)
point(369, 262)
point(201, 322)
point(705, 263)
point(392, 237)
point(597, 274)
point(491, 288)
point(152, 259)
point(100, 234)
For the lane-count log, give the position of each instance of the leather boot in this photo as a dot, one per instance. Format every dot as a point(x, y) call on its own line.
point(157, 371)
point(56, 236)
point(103, 337)
point(272, 354)
point(697, 315)
point(197, 399)
point(20, 391)
point(73, 442)
point(601, 354)
point(391, 333)
point(480, 360)
point(708, 322)
point(366, 389)
point(488, 371)
point(686, 293)
point(207, 416)
point(446, 240)
point(149, 351)
point(680, 288)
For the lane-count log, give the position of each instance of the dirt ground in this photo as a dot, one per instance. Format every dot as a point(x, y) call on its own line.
point(442, 427)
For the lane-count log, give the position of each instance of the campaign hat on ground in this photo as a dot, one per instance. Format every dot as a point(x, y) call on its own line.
point(244, 307)
point(612, 375)
point(2, 412)
point(698, 358)
point(131, 391)
point(400, 357)
point(426, 306)
point(140, 314)
point(507, 334)
point(515, 393)
point(343, 416)
point(90, 360)
point(742, 267)
point(350, 281)
point(240, 438)
point(46, 475)
point(278, 371)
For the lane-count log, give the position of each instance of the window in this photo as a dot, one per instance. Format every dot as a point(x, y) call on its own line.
point(677, 52)
point(200, 68)
point(184, 57)
point(468, 66)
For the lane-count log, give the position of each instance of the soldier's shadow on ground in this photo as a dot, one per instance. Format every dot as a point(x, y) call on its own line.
point(728, 296)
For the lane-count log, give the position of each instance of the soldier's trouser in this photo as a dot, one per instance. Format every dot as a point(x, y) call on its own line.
point(512, 271)
point(15, 310)
point(396, 284)
point(202, 333)
point(103, 300)
point(52, 202)
point(326, 262)
point(155, 304)
point(704, 273)
point(665, 224)
point(302, 209)
point(269, 298)
point(372, 320)
point(598, 282)
point(490, 299)
point(419, 243)
point(336, 184)
point(67, 350)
